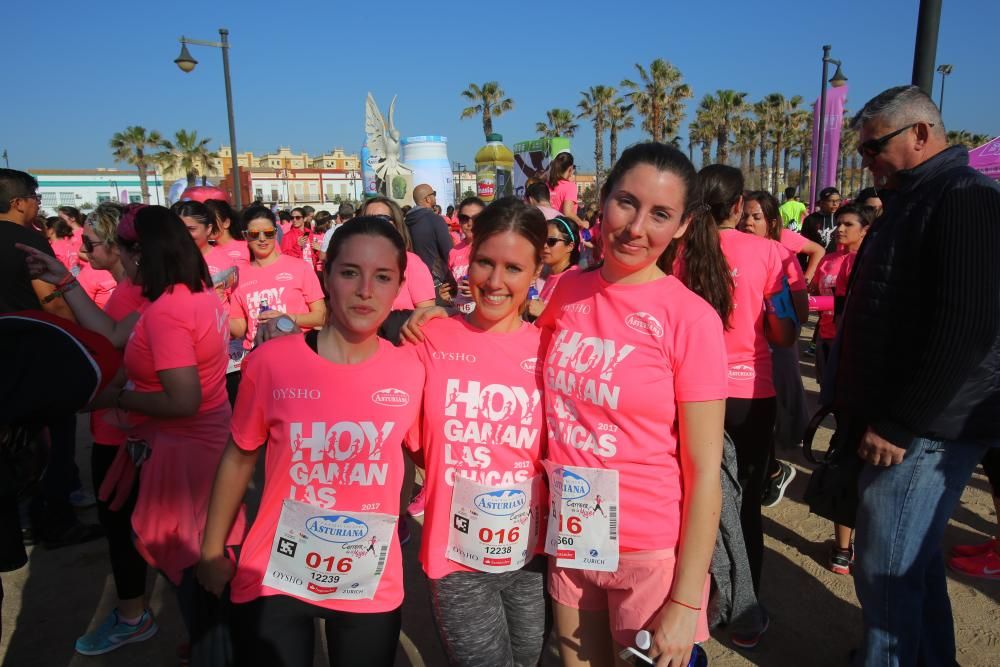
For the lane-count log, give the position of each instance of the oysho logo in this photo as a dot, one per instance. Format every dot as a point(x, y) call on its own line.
point(581, 308)
point(741, 372)
point(300, 393)
point(644, 323)
point(337, 528)
point(454, 356)
point(573, 486)
point(284, 277)
point(501, 503)
point(395, 398)
point(530, 365)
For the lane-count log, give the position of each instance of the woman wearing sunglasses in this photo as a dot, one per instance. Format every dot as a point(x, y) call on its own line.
point(458, 257)
point(272, 284)
point(560, 257)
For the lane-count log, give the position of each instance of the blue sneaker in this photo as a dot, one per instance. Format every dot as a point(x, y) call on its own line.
point(114, 633)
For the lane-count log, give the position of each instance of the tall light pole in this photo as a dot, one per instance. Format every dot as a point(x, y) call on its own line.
point(838, 79)
point(187, 64)
point(925, 48)
point(943, 70)
point(458, 183)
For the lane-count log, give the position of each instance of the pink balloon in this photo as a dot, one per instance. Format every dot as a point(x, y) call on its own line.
point(202, 193)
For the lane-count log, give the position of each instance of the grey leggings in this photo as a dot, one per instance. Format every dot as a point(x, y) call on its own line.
point(497, 620)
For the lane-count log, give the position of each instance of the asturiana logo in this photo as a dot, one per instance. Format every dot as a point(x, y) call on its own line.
point(501, 503)
point(394, 398)
point(284, 277)
point(530, 365)
point(644, 323)
point(573, 486)
point(741, 372)
point(337, 528)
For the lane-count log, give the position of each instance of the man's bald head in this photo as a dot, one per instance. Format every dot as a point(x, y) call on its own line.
point(423, 195)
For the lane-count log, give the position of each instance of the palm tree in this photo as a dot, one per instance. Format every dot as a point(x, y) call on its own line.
point(130, 147)
point(559, 123)
point(595, 105)
point(960, 137)
point(796, 121)
point(746, 142)
point(702, 131)
point(619, 118)
point(763, 118)
point(489, 102)
point(693, 133)
point(782, 109)
point(658, 97)
point(723, 109)
point(189, 153)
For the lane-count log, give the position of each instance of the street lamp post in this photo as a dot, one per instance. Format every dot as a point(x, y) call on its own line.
point(458, 182)
point(838, 79)
point(187, 64)
point(943, 70)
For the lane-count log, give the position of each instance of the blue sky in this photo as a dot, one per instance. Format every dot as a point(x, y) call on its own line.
point(82, 71)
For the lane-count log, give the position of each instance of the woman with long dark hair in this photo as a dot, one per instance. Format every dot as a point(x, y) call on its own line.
point(562, 188)
point(333, 407)
point(755, 324)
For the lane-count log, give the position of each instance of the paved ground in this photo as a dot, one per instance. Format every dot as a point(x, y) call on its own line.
point(815, 616)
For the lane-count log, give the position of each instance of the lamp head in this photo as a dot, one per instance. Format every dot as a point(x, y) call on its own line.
point(944, 69)
point(838, 79)
point(185, 61)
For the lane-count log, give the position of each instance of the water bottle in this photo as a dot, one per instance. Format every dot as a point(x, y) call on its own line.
point(644, 641)
point(532, 293)
point(264, 306)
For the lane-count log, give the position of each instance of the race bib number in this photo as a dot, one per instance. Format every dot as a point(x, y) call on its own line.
point(236, 354)
point(320, 555)
point(494, 529)
point(583, 517)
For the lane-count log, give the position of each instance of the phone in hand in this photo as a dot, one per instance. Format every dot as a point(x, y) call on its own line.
point(634, 656)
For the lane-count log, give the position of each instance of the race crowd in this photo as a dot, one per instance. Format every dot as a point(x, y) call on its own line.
point(562, 396)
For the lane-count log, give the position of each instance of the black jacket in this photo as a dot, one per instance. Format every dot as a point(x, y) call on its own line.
point(820, 228)
point(920, 338)
point(431, 240)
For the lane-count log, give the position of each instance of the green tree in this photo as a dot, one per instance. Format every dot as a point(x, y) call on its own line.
point(745, 143)
point(782, 110)
point(130, 146)
point(188, 153)
point(558, 123)
point(595, 105)
point(722, 110)
point(658, 97)
point(703, 133)
point(763, 118)
point(489, 102)
point(619, 118)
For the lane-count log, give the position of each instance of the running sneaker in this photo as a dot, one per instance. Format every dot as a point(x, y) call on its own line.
point(114, 632)
point(811, 350)
point(416, 506)
point(403, 530)
point(776, 485)
point(985, 566)
point(751, 639)
point(981, 549)
point(841, 560)
point(81, 499)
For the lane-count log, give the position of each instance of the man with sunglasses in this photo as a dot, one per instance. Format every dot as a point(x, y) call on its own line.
point(919, 349)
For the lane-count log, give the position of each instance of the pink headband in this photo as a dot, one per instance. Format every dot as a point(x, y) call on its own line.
point(126, 225)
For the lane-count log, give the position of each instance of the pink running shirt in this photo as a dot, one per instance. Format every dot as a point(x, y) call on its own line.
point(124, 300)
point(334, 440)
point(756, 266)
point(237, 251)
point(482, 419)
point(791, 269)
point(824, 283)
point(418, 284)
point(178, 330)
point(550, 282)
point(98, 284)
point(793, 240)
point(619, 359)
point(565, 191)
point(289, 285)
point(458, 260)
point(844, 275)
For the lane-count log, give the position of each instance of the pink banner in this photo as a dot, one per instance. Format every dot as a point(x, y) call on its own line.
point(836, 98)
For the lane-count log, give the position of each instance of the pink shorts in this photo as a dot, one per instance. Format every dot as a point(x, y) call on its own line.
point(632, 596)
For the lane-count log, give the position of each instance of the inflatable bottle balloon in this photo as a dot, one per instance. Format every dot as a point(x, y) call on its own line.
point(494, 170)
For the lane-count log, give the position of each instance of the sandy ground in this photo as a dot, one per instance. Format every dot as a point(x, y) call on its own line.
point(815, 618)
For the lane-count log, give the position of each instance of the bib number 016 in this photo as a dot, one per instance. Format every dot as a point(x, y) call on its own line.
point(503, 535)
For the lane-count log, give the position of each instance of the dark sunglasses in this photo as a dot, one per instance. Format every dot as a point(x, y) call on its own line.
point(297, 217)
point(89, 245)
point(465, 218)
point(257, 236)
point(552, 241)
point(873, 147)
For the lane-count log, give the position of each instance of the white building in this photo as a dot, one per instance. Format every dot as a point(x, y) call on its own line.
point(86, 188)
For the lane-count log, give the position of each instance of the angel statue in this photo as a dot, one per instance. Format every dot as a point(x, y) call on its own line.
point(383, 142)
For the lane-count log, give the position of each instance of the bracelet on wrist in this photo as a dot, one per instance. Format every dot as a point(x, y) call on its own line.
point(685, 605)
point(61, 289)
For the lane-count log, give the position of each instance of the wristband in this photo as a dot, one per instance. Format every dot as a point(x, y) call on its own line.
point(63, 287)
point(781, 303)
point(686, 606)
